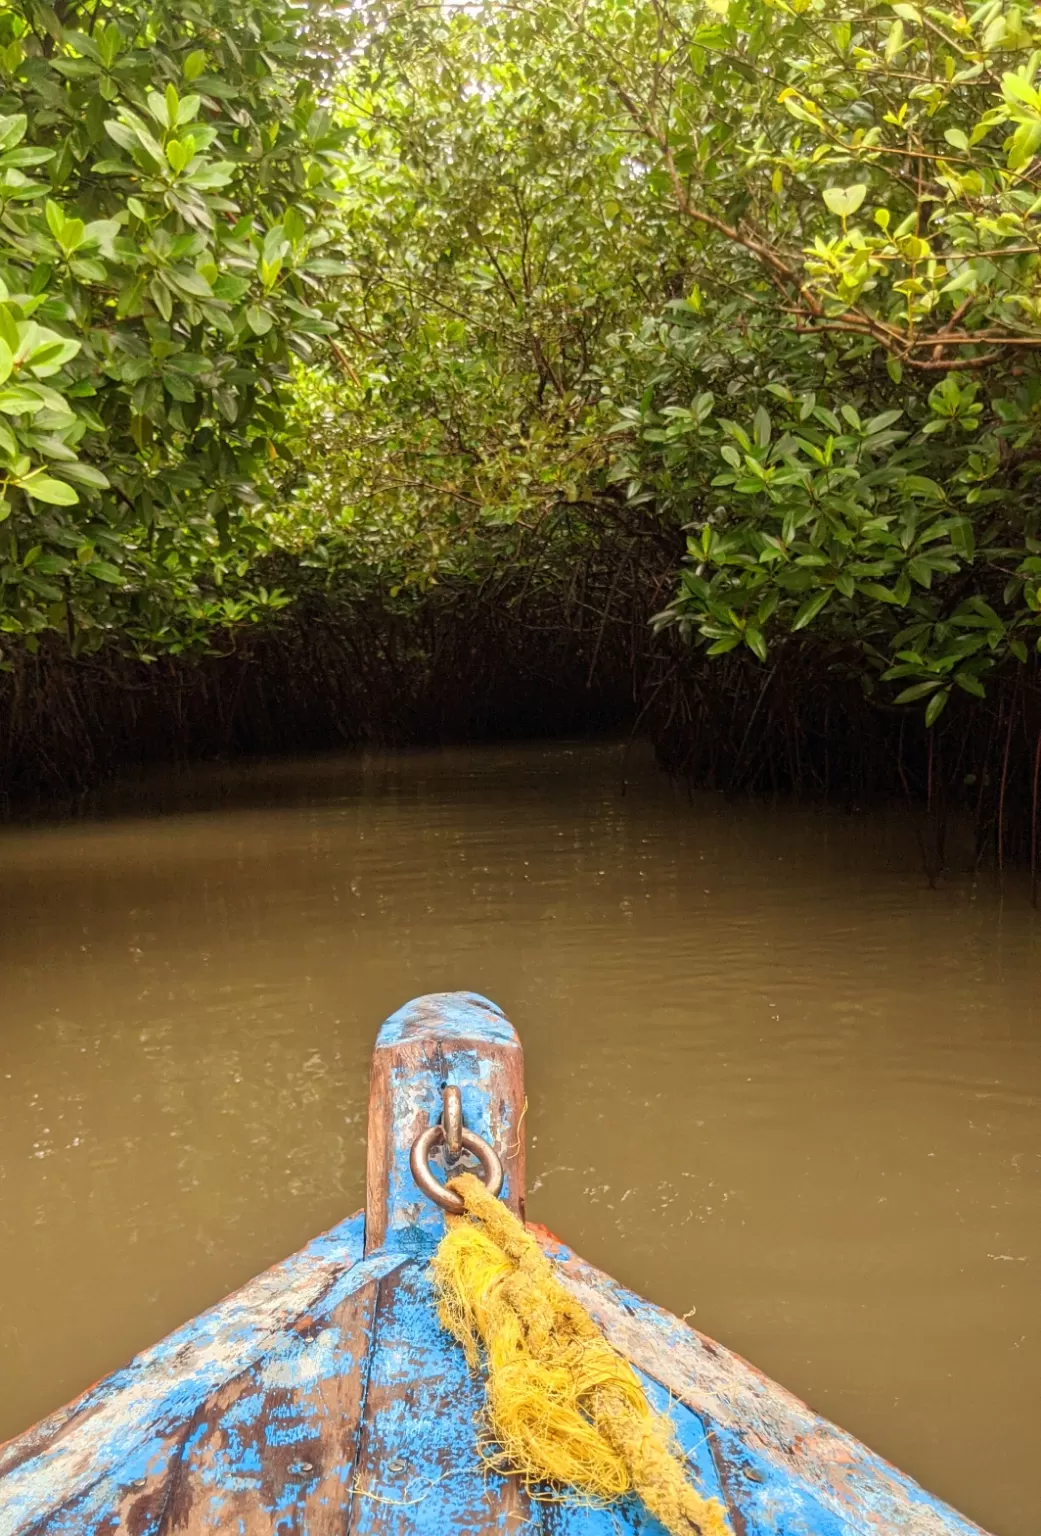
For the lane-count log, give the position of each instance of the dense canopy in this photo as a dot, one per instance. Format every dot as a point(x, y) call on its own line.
point(718, 321)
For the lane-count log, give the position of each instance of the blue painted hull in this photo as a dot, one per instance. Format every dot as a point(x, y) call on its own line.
point(324, 1397)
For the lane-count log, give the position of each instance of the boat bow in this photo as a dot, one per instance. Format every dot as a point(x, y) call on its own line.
point(324, 1397)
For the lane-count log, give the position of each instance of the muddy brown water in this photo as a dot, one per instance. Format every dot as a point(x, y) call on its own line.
point(772, 1075)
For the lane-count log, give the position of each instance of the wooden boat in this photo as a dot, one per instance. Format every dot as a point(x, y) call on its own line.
point(325, 1398)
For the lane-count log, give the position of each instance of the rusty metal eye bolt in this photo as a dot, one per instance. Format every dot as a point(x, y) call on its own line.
point(451, 1131)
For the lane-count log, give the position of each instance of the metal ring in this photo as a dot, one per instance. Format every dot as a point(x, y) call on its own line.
point(419, 1162)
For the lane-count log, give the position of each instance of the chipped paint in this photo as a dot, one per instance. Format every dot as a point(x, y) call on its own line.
point(452, 1015)
point(789, 1469)
point(452, 1037)
point(125, 1425)
point(415, 1224)
point(323, 1399)
point(419, 1467)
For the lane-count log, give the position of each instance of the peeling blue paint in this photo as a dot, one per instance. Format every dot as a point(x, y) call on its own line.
point(245, 1402)
point(458, 1015)
point(462, 1021)
point(420, 1468)
point(788, 1470)
point(125, 1427)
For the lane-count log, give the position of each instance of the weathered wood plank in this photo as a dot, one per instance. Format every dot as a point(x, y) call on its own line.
point(274, 1450)
point(122, 1435)
point(419, 1470)
point(444, 1038)
point(325, 1398)
point(787, 1468)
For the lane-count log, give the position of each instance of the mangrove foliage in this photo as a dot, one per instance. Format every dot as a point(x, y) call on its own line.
point(681, 356)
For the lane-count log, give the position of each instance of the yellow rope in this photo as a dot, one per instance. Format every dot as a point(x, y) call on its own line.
point(564, 1407)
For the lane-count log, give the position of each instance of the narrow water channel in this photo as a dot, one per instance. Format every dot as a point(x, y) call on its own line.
point(772, 1076)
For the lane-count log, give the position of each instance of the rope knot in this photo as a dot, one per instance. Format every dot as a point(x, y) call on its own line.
point(564, 1407)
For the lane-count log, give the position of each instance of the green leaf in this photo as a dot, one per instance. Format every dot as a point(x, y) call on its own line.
point(51, 565)
point(193, 284)
point(756, 642)
point(811, 608)
point(259, 320)
point(275, 243)
point(25, 157)
point(12, 130)
point(102, 570)
point(881, 422)
point(294, 225)
point(161, 297)
point(1015, 88)
point(876, 590)
point(1025, 142)
point(845, 201)
point(85, 474)
point(179, 154)
point(971, 684)
point(918, 691)
point(52, 356)
point(120, 134)
point(323, 267)
point(921, 485)
point(936, 705)
point(177, 386)
point(966, 276)
point(230, 289)
point(146, 139)
point(216, 174)
point(15, 401)
point(963, 537)
point(45, 488)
